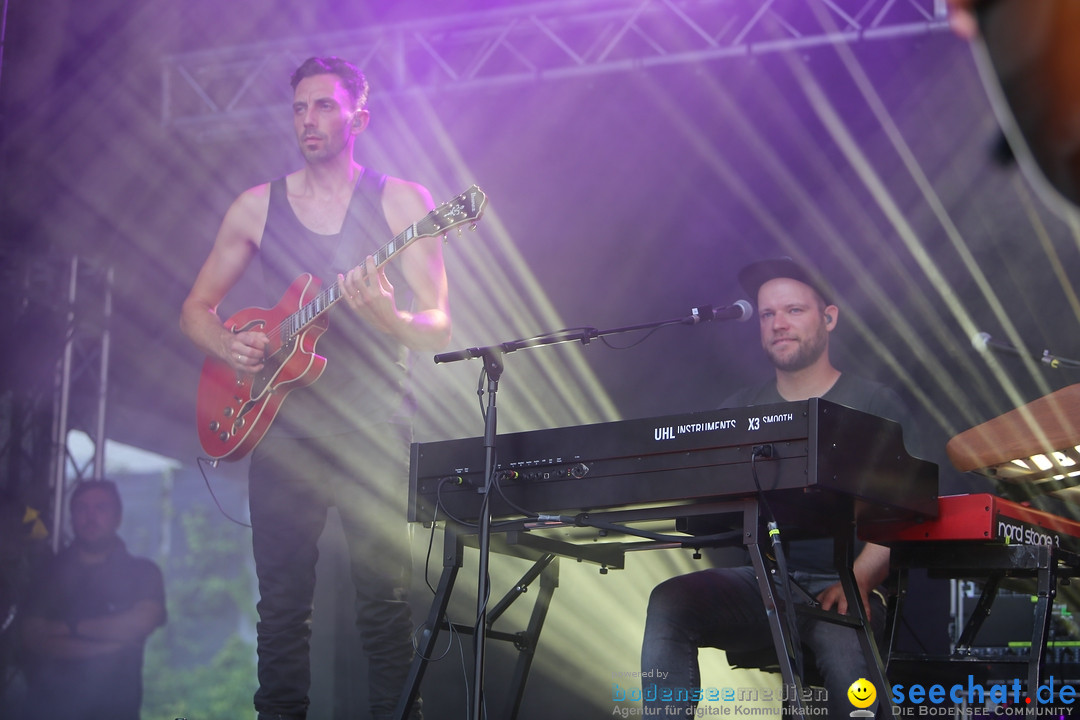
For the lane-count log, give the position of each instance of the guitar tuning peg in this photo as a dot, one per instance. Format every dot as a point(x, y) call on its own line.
point(472, 227)
point(459, 232)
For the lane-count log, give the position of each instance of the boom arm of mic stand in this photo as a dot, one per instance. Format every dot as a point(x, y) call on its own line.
point(1056, 361)
point(582, 335)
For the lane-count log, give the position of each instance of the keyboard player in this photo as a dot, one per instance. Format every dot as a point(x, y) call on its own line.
point(722, 607)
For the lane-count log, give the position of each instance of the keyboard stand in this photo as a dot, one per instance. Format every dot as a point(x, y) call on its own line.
point(519, 539)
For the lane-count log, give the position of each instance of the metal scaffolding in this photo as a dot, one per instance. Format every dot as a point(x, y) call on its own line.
point(228, 90)
point(57, 384)
point(82, 380)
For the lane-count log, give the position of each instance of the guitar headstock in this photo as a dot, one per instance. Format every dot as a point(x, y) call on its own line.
point(467, 207)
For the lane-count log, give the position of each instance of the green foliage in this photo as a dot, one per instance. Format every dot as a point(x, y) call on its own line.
point(200, 666)
point(220, 689)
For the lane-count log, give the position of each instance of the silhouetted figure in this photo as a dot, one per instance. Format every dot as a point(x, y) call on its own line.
point(87, 617)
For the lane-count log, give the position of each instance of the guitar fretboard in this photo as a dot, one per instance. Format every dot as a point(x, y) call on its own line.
point(466, 207)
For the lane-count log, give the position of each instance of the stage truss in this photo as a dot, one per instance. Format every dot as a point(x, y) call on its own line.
point(62, 311)
point(227, 91)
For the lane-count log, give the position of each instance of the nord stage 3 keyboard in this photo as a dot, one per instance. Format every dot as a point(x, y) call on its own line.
point(820, 453)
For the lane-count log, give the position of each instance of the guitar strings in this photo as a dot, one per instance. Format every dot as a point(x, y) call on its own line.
point(285, 332)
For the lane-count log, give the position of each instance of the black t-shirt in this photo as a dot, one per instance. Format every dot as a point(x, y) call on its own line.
point(858, 394)
point(68, 590)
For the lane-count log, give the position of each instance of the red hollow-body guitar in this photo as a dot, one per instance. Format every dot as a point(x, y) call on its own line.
point(234, 410)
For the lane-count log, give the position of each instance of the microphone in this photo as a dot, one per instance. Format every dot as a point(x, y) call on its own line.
point(740, 311)
point(982, 341)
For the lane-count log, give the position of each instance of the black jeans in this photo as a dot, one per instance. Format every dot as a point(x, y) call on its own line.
point(292, 483)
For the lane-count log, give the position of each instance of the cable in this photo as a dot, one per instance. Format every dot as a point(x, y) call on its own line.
point(439, 504)
point(476, 625)
point(765, 451)
point(454, 635)
point(427, 555)
point(511, 503)
point(640, 340)
point(783, 586)
point(199, 461)
point(480, 391)
point(465, 523)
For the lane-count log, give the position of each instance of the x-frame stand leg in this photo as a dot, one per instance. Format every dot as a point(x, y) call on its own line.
point(993, 563)
point(844, 550)
point(453, 553)
point(786, 645)
point(545, 567)
point(786, 641)
point(1044, 562)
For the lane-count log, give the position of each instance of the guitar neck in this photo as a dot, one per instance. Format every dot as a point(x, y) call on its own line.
point(464, 208)
point(322, 302)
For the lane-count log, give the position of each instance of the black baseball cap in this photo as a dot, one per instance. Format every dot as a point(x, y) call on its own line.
point(754, 275)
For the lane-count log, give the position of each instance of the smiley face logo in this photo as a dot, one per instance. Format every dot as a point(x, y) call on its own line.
point(862, 693)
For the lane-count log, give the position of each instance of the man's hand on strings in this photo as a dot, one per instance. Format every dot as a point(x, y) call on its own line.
point(371, 296)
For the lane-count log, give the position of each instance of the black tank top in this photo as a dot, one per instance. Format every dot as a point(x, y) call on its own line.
point(365, 380)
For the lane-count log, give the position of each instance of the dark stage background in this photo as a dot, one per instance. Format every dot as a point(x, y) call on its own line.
point(616, 198)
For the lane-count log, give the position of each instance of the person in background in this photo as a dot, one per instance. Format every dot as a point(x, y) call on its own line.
point(87, 617)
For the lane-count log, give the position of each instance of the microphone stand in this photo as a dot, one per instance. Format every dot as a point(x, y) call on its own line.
point(493, 366)
point(492, 356)
point(983, 342)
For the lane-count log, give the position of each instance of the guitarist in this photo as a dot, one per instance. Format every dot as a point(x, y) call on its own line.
point(344, 440)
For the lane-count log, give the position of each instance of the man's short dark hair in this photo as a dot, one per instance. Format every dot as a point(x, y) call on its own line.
point(754, 275)
point(107, 486)
point(351, 78)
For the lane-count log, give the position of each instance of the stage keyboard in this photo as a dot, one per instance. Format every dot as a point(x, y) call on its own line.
point(821, 454)
point(981, 517)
